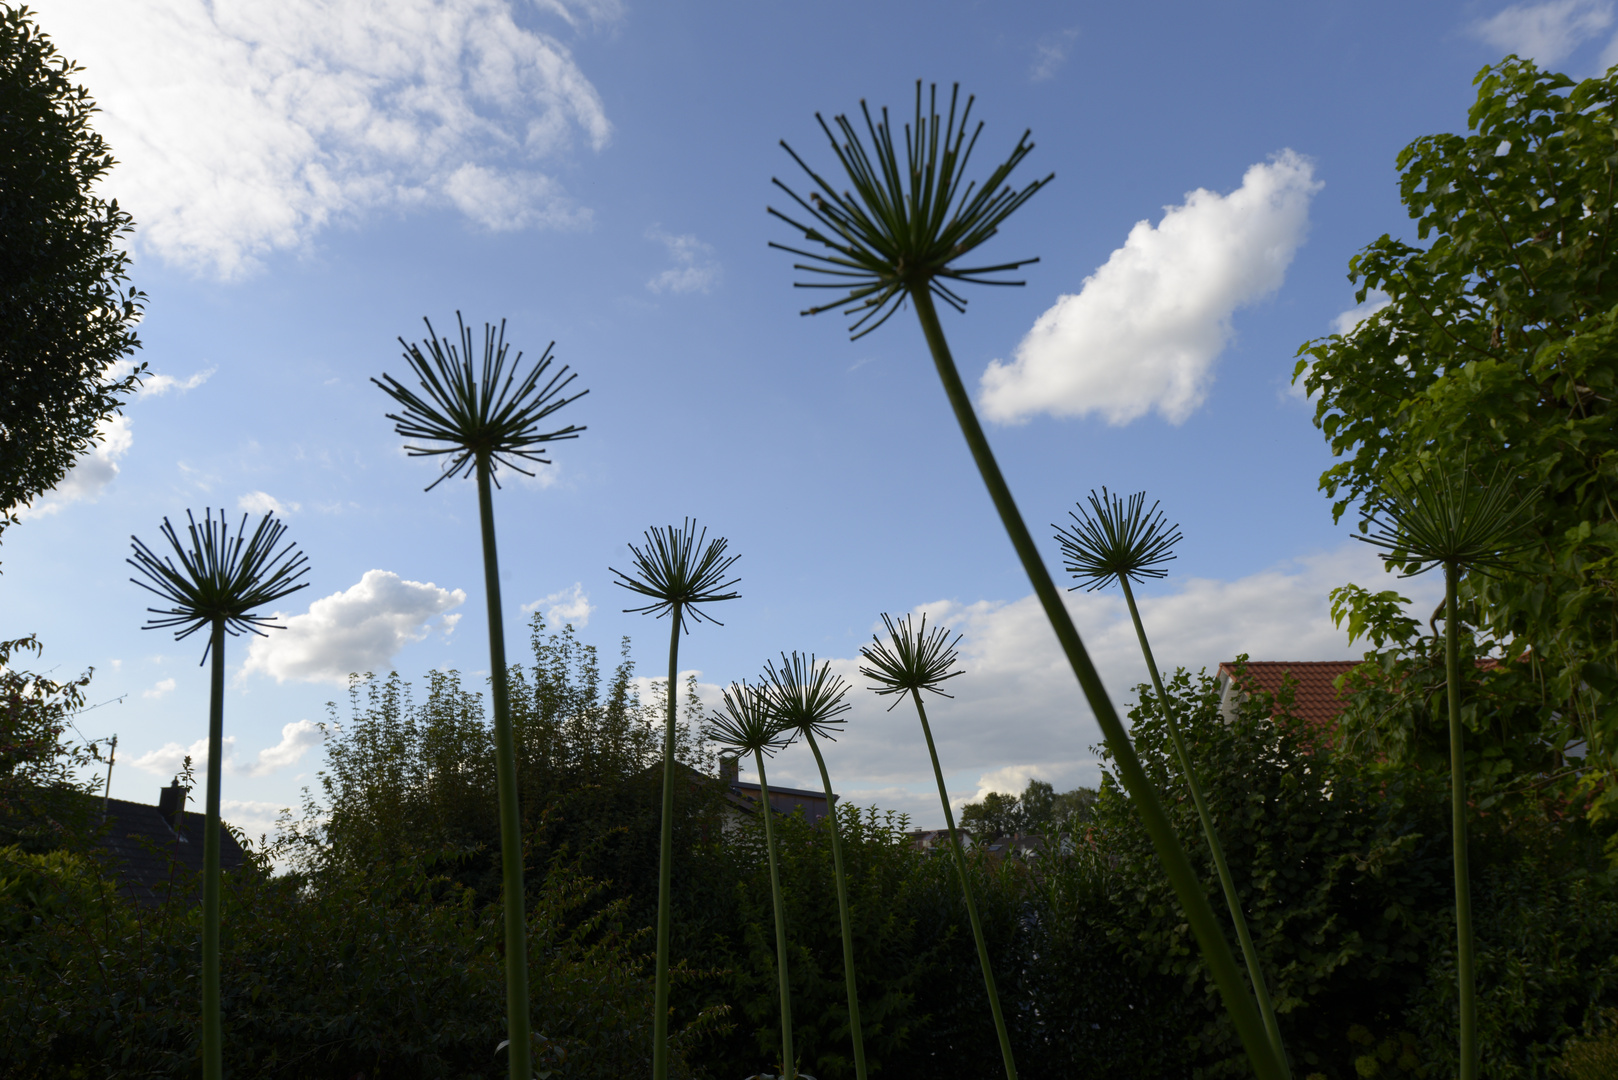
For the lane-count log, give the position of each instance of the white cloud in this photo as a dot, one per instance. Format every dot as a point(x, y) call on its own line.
point(1018, 711)
point(1545, 33)
point(161, 688)
point(158, 385)
point(244, 128)
point(694, 269)
point(261, 502)
point(1145, 329)
point(570, 605)
point(166, 760)
point(92, 473)
point(358, 630)
point(1051, 53)
point(295, 739)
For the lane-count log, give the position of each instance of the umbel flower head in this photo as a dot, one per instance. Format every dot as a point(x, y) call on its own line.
point(1435, 516)
point(219, 575)
point(1118, 541)
point(747, 722)
point(483, 412)
point(806, 696)
point(903, 225)
point(680, 567)
point(913, 658)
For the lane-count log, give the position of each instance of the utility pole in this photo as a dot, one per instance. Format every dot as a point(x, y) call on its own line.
point(106, 795)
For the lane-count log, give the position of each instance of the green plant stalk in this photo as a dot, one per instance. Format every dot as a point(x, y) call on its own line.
point(518, 1022)
point(789, 1064)
point(665, 871)
point(1464, 972)
point(842, 910)
point(1254, 971)
point(213, 1028)
point(1239, 1003)
point(966, 888)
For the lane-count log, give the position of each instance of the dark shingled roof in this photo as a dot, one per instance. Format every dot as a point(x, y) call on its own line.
point(152, 861)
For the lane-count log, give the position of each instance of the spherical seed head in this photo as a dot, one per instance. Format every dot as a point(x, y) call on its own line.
point(899, 227)
point(219, 575)
point(805, 696)
point(746, 721)
point(486, 412)
point(912, 658)
point(1116, 540)
point(1434, 516)
point(680, 567)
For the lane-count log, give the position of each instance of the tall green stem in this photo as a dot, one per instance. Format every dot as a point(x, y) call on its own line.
point(1254, 971)
point(789, 1064)
point(1199, 914)
point(505, 761)
point(966, 888)
point(842, 909)
point(665, 870)
point(1464, 972)
point(213, 1028)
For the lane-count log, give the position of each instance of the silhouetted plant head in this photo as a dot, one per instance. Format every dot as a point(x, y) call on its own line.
point(902, 225)
point(807, 696)
point(486, 410)
point(747, 722)
point(219, 575)
point(680, 566)
point(1436, 515)
point(1115, 539)
point(913, 658)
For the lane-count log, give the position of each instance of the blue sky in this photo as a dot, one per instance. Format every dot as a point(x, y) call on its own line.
point(312, 178)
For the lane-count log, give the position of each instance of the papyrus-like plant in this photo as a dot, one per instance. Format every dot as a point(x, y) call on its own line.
point(808, 700)
point(483, 417)
point(219, 582)
point(747, 723)
point(1439, 516)
point(911, 660)
point(1114, 541)
point(892, 231)
point(679, 570)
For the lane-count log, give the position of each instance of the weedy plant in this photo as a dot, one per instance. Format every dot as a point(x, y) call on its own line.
point(895, 234)
point(482, 418)
point(219, 582)
point(1437, 516)
point(747, 723)
point(914, 659)
point(808, 699)
point(1127, 542)
point(679, 570)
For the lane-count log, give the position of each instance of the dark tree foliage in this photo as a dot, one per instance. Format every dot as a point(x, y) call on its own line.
point(1040, 809)
point(39, 786)
point(67, 311)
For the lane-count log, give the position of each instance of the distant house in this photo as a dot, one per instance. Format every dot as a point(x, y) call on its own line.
point(1021, 845)
point(1315, 702)
point(155, 852)
point(745, 796)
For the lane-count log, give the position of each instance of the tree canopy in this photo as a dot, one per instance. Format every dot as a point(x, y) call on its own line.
point(1495, 343)
point(67, 310)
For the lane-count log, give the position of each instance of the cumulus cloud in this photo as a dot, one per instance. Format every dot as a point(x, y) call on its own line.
point(694, 269)
point(296, 738)
point(91, 474)
point(166, 760)
point(570, 605)
point(1018, 712)
point(358, 630)
point(1145, 329)
point(1545, 33)
point(244, 128)
point(261, 502)
point(160, 689)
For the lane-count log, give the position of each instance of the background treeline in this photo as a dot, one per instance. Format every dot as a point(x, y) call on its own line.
point(379, 952)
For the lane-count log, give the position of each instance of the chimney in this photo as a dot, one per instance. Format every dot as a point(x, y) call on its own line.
point(729, 770)
point(171, 804)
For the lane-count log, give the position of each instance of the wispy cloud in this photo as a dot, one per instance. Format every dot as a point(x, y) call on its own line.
point(1545, 33)
point(1050, 53)
point(1144, 331)
point(262, 502)
point(694, 269)
point(570, 605)
point(162, 688)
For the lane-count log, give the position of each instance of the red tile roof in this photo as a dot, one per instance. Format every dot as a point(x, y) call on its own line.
point(1315, 702)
